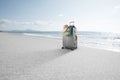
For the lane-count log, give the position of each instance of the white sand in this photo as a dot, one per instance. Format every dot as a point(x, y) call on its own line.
point(37, 58)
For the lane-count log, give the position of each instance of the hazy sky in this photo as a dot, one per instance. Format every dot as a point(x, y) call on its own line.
point(89, 15)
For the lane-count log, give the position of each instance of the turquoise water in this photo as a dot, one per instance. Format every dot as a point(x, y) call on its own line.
point(102, 40)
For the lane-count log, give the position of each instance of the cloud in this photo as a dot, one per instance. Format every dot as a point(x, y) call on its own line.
point(60, 15)
point(4, 24)
point(116, 9)
point(41, 23)
point(32, 25)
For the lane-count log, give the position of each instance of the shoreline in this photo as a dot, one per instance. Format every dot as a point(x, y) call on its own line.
point(59, 38)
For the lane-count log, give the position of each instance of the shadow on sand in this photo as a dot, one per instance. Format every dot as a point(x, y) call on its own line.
point(49, 55)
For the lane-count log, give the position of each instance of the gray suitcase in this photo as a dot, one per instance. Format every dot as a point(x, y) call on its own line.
point(70, 42)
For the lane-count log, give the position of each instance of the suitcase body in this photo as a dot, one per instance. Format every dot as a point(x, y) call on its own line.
point(70, 42)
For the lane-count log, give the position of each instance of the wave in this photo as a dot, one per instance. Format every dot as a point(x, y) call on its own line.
point(97, 40)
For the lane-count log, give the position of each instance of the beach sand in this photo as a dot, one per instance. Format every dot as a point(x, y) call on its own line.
point(39, 58)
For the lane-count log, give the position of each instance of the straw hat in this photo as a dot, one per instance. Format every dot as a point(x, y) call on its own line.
point(65, 28)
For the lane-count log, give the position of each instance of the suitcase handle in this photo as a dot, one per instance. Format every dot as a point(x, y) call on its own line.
point(71, 23)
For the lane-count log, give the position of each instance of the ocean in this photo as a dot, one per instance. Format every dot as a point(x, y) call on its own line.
point(101, 40)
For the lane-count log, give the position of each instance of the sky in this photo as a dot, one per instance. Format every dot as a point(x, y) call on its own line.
point(52, 15)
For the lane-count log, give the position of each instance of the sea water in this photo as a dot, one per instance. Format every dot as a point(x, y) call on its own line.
point(101, 40)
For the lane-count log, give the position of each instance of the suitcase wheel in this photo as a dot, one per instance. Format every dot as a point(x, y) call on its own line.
point(72, 49)
point(62, 48)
